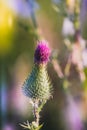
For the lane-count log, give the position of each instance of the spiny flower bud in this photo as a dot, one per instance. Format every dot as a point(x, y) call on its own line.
point(37, 85)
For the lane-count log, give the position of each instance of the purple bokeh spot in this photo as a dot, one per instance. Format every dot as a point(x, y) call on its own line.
point(83, 13)
point(23, 7)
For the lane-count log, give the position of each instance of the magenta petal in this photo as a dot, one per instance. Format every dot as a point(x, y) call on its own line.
point(42, 53)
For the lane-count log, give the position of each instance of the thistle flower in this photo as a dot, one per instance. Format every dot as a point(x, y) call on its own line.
point(37, 85)
point(42, 53)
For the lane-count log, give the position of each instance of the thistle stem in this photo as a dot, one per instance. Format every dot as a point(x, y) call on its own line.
point(36, 112)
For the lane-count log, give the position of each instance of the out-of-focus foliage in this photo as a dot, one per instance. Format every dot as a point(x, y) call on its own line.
point(67, 67)
point(6, 29)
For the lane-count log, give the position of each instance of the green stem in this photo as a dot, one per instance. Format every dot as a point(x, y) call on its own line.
point(36, 112)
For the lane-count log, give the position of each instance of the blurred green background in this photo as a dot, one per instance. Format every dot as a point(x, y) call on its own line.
point(22, 24)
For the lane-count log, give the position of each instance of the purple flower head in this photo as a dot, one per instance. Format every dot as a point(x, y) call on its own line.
point(42, 53)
